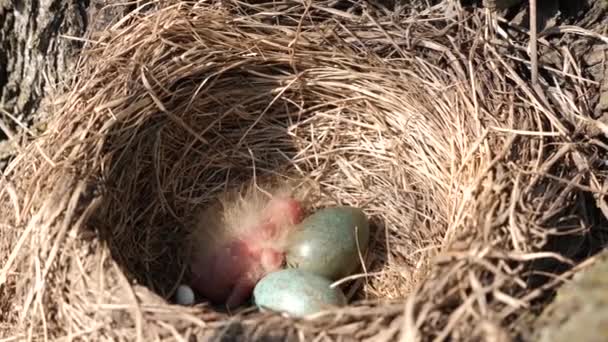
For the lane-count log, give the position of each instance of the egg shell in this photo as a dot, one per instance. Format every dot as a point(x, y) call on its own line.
point(297, 293)
point(184, 295)
point(325, 242)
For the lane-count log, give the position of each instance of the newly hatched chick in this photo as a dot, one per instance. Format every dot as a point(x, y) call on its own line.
point(238, 241)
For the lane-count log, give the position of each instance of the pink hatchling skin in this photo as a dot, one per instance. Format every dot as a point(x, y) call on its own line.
point(229, 275)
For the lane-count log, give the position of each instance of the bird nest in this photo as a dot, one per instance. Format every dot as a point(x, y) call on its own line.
point(466, 172)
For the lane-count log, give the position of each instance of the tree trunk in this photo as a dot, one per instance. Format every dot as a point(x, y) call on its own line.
point(39, 47)
point(34, 56)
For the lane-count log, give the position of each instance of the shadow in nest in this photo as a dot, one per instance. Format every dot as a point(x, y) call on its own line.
point(578, 227)
point(164, 166)
point(236, 331)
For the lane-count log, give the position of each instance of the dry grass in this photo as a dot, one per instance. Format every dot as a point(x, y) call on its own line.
point(420, 118)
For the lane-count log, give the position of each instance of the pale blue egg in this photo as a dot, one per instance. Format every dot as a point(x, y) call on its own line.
point(297, 293)
point(329, 242)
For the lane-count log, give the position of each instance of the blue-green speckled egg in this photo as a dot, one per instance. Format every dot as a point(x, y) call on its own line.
point(326, 243)
point(297, 293)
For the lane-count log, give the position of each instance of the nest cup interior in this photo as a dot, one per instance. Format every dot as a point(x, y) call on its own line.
point(251, 124)
point(201, 127)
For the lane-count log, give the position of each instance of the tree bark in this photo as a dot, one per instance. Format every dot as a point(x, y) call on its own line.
point(34, 55)
point(39, 47)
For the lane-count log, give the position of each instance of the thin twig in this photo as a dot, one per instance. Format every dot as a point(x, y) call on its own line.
point(533, 42)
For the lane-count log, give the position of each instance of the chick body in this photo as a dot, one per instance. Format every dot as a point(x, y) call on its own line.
point(239, 241)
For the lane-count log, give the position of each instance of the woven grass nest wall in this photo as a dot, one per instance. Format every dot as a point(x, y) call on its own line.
point(465, 170)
